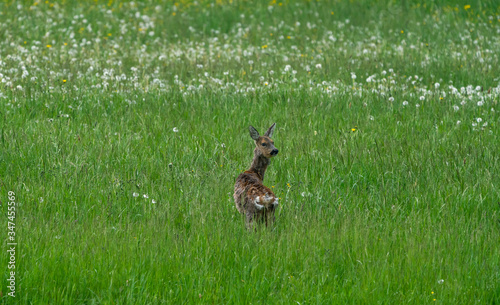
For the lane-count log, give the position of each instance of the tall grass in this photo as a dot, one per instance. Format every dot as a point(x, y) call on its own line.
point(125, 186)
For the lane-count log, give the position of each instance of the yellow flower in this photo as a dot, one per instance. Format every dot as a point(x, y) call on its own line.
point(64, 80)
point(288, 37)
point(264, 46)
point(173, 14)
point(49, 46)
point(288, 184)
point(466, 7)
point(402, 32)
point(333, 13)
point(353, 129)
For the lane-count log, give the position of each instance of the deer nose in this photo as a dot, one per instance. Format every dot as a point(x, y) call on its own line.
point(274, 152)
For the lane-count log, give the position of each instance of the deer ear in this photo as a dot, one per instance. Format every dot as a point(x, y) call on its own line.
point(270, 131)
point(254, 133)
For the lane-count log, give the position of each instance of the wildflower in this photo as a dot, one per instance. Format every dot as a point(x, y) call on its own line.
point(318, 66)
point(479, 120)
point(441, 281)
point(422, 98)
point(466, 7)
point(41, 199)
point(135, 194)
point(353, 129)
point(458, 122)
point(480, 103)
point(145, 196)
point(456, 108)
point(405, 103)
point(288, 184)
point(49, 46)
point(417, 105)
point(391, 99)
point(436, 85)
point(64, 80)
point(175, 129)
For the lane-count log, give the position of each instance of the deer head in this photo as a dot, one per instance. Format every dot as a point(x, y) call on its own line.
point(264, 144)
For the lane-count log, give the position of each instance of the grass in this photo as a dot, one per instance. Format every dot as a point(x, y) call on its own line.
point(123, 142)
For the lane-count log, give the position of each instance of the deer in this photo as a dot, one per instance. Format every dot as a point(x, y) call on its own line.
point(256, 201)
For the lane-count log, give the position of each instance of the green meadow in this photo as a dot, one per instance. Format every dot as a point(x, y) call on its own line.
point(123, 126)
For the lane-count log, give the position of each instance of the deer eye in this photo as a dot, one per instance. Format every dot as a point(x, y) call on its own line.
point(264, 144)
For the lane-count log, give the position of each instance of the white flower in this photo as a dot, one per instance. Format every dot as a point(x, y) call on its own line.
point(175, 129)
point(455, 107)
point(318, 66)
point(417, 105)
point(479, 120)
point(135, 194)
point(391, 99)
point(405, 103)
point(41, 199)
point(458, 122)
point(372, 118)
point(153, 201)
point(422, 98)
point(436, 85)
point(480, 103)
point(441, 281)
point(288, 68)
point(353, 75)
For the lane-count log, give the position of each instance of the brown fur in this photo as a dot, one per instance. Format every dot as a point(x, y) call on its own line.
point(251, 197)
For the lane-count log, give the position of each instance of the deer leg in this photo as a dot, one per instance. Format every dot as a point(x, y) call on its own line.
point(249, 221)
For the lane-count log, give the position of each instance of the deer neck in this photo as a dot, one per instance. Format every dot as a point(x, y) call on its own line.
point(259, 164)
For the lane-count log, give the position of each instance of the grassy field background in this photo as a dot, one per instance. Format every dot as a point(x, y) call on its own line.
point(124, 125)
